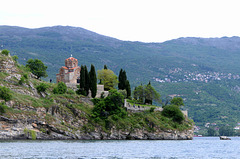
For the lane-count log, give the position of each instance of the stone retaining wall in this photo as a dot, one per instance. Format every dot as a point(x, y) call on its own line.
point(138, 108)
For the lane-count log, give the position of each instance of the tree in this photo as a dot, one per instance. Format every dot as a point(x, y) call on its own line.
point(128, 89)
point(124, 83)
point(135, 95)
point(5, 52)
point(87, 81)
point(226, 131)
point(173, 111)
point(82, 81)
point(178, 101)
point(112, 104)
point(105, 67)
point(93, 81)
point(146, 94)
point(108, 78)
point(211, 131)
point(122, 78)
point(37, 67)
point(139, 93)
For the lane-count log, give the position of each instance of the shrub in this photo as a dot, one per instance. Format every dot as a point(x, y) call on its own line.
point(5, 52)
point(173, 111)
point(25, 75)
point(5, 93)
point(60, 89)
point(15, 58)
point(151, 109)
point(42, 87)
point(70, 91)
point(113, 104)
point(21, 81)
point(32, 133)
point(3, 108)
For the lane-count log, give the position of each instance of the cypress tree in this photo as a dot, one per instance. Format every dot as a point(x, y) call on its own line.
point(82, 81)
point(128, 89)
point(87, 81)
point(120, 84)
point(148, 96)
point(105, 67)
point(124, 79)
point(135, 94)
point(93, 81)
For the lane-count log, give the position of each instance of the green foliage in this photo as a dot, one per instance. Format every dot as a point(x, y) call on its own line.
point(5, 93)
point(5, 52)
point(122, 79)
point(82, 81)
point(152, 109)
point(37, 67)
point(93, 81)
point(108, 78)
point(211, 131)
point(226, 131)
point(21, 81)
point(32, 133)
point(173, 111)
point(15, 58)
point(112, 104)
point(25, 75)
point(105, 67)
point(87, 81)
point(128, 89)
point(146, 94)
point(123, 92)
point(60, 89)
point(124, 83)
point(70, 91)
point(3, 108)
point(42, 87)
point(178, 101)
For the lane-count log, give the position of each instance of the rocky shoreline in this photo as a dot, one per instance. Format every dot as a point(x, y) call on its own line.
point(17, 129)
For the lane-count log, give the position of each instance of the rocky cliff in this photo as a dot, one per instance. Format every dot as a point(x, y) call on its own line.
point(33, 115)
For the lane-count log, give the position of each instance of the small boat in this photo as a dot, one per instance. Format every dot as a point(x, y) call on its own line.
point(224, 138)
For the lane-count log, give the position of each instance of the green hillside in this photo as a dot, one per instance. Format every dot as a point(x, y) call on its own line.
point(205, 72)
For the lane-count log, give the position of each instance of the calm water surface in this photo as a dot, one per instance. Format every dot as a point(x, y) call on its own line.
point(202, 147)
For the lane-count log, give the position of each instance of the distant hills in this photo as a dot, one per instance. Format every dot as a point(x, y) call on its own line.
point(204, 71)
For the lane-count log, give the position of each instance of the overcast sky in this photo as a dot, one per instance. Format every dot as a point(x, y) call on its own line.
point(134, 20)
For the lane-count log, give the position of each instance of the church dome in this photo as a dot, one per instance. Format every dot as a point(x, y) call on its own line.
point(71, 62)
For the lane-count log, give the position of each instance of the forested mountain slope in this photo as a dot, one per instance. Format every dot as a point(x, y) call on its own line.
point(204, 71)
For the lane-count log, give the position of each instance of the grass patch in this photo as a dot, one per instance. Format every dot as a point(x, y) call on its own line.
point(32, 133)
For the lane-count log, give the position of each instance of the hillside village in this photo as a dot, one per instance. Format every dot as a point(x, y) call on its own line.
point(178, 75)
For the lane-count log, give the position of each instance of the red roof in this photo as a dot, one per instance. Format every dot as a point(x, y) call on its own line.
point(64, 67)
point(71, 58)
point(72, 68)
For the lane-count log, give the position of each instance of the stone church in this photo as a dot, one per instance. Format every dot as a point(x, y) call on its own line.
point(70, 75)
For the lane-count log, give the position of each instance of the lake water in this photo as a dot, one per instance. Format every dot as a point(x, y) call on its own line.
point(201, 147)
